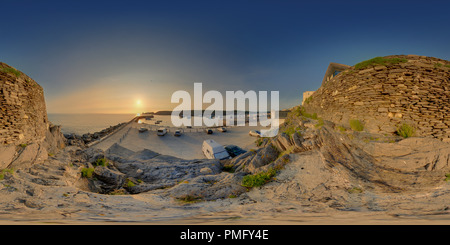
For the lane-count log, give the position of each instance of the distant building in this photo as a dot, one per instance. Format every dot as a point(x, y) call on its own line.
point(332, 70)
point(306, 95)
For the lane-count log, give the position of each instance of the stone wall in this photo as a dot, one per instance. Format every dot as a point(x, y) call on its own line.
point(415, 91)
point(23, 115)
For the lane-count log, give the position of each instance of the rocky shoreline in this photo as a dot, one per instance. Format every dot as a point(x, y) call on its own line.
point(311, 170)
point(90, 138)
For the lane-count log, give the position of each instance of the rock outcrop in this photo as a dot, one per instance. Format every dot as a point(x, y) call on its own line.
point(413, 90)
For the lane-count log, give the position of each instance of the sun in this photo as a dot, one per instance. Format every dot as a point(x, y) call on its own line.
point(138, 102)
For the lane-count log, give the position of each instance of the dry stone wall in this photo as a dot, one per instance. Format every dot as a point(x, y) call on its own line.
point(416, 91)
point(23, 115)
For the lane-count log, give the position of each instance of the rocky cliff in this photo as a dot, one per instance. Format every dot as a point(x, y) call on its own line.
point(385, 92)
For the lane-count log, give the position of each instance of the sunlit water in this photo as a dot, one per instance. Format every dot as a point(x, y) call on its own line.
point(87, 123)
point(91, 123)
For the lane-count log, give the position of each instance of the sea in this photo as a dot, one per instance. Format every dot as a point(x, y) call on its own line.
point(87, 123)
point(90, 123)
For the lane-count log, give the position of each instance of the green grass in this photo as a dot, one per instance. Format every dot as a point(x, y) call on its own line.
point(228, 168)
point(319, 123)
point(447, 177)
point(308, 115)
point(10, 70)
point(356, 125)
point(87, 172)
point(379, 61)
point(6, 170)
point(23, 145)
point(436, 65)
point(291, 131)
point(189, 199)
point(406, 130)
point(130, 183)
point(259, 179)
point(341, 129)
point(101, 162)
point(355, 190)
point(448, 66)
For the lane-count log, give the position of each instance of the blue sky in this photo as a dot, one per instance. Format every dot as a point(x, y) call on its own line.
point(104, 56)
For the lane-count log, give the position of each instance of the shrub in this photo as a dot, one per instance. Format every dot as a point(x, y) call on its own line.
point(259, 179)
point(356, 125)
point(406, 130)
point(379, 61)
point(87, 172)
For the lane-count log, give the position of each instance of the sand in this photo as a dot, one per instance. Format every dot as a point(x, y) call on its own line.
point(186, 146)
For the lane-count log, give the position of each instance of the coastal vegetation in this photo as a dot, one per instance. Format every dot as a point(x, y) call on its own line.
point(101, 162)
point(405, 130)
point(379, 61)
point(6, 170)
point(259, 179)
point(87, 172)
point(189, 199)
point(447, 177)
point(228, 168)
point(356, 125)
point(355, 190)
point(10, 70)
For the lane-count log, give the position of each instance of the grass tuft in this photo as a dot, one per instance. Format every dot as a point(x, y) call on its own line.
point(406, 130)
point(101, 162)
point(189, 199)
point(356, 125)
point(87, 172)
point(259, 179)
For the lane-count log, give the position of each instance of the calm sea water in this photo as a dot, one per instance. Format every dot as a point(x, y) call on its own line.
point(91, 123)
point(87, 123)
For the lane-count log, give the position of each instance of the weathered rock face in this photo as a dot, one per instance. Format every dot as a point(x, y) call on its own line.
point(416, 92)
point(23, 115)
point(26, 136)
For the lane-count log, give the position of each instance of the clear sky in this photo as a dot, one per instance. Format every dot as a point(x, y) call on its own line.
point(130, 56)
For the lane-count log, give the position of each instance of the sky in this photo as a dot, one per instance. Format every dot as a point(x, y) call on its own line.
point(131, 56)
